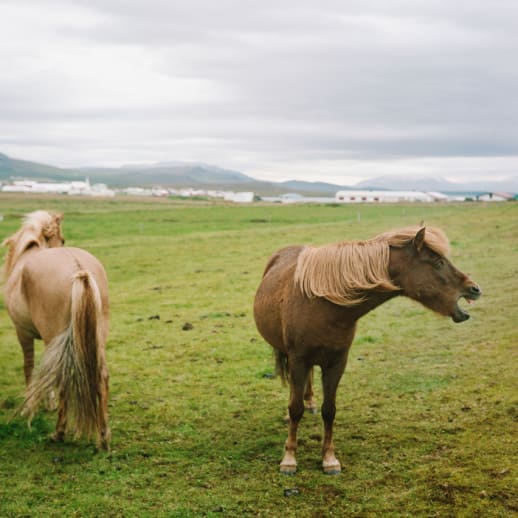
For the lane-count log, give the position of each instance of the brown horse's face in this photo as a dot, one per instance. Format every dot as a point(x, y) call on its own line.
point(432, 279)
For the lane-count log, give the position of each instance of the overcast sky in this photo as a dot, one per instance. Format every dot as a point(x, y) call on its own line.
point(278, 89)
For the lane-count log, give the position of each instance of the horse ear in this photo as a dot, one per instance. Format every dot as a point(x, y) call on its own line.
point(418, 240)
point(58, 217)
point(7, 241)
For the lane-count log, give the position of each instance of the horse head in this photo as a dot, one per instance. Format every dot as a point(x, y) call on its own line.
point(424, 273)
point(40, 229)
point(51, 232)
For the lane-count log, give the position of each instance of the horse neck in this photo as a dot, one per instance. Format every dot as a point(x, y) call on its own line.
point(16, 259)
point(372, 300)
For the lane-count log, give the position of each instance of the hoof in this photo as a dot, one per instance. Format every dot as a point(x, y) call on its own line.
point(103, 446)
point(312, 410)
point(288, 469)
point(104, 440)
point(332, 469)
point(57, 437)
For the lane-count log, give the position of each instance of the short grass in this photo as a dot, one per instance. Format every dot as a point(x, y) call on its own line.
point(427, 411)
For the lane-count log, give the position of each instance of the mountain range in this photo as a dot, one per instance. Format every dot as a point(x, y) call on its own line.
point(206, 176)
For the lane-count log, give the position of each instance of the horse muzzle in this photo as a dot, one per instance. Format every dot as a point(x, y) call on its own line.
point(472, 293)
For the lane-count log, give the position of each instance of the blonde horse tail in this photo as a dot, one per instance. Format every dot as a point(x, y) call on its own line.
point(73, 362)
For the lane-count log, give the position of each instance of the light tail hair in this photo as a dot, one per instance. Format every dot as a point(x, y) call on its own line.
point(73, 361)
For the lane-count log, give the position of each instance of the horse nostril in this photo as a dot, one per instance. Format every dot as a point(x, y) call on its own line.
point(475, 290)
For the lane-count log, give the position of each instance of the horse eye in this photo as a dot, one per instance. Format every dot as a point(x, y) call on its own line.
point(439, 263)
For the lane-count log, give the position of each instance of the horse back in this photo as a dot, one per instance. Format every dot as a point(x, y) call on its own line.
point(283, 258)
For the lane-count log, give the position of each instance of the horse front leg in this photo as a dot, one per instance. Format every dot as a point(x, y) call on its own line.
point(299, 374)
point(331, 375)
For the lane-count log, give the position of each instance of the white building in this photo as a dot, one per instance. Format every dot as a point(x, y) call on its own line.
point(383, 196)
point(72, 188)
point(100, 189)
point(496, 196)
point(37, 187)
point(239, 197)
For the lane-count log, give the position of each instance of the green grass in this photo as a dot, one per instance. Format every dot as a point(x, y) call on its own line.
point(426, 413)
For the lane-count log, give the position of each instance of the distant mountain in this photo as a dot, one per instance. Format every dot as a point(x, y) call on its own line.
point(180, 174)
point(205, 176)
point(167, 174)
point(314, 187)
point(10, 167)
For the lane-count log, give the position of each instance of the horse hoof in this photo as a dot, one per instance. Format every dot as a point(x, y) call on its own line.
point(332, 470)
point(288, 469)
point(57, 437)
point(312, 410)
point(103, 446)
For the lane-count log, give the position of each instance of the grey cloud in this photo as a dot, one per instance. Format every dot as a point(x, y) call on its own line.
point(414, 78)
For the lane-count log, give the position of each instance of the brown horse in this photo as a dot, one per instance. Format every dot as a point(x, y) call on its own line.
point(60, 295)
point(310, 299)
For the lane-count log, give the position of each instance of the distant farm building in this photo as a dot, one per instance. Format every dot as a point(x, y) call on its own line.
point(388, 196)
point(72, 188)
point(240, 197)
point(496, 196)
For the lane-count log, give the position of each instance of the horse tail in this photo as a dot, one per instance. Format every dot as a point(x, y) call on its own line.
point(73, 361)
point(281, 365)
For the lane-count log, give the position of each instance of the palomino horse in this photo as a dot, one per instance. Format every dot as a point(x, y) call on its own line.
point(60, 295)
point(310, 299)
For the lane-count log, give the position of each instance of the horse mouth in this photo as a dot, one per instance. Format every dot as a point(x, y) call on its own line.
point(460, 314)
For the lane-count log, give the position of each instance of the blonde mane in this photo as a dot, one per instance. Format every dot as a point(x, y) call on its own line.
point(343, 272)
point(36, 227)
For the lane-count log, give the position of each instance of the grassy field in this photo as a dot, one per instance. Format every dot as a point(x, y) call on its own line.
point(426, 413)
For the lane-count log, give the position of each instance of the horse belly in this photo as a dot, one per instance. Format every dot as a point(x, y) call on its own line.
point(20, 314)
point(267, 315)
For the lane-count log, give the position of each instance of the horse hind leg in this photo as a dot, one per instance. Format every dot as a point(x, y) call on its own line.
point(310, 403)
point(27, 344)
point(299, 374)
point(61, 425)
point(50, 401)
point(50, 398)
point(104, 429)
